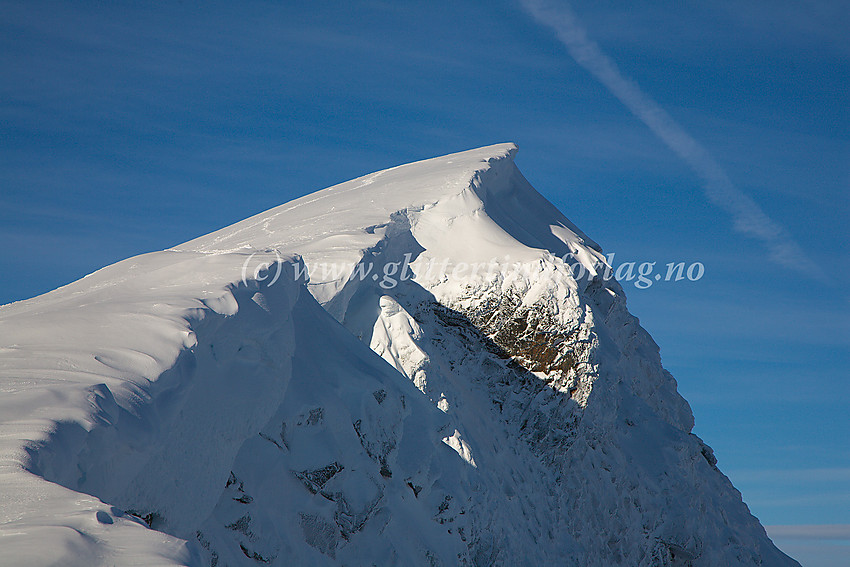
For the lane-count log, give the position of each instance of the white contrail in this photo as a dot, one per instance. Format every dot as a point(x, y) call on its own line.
point(748, 217)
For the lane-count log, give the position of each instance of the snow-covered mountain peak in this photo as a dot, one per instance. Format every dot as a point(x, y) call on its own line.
point(365, 202)
point(456, 384)
point(468, 207)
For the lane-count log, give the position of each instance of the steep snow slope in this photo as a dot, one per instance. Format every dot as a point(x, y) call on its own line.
point(520, 415)
point(106, 391)
point(155, 390)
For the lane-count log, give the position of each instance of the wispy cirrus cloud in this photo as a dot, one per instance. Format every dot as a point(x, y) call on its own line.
point(747, 216)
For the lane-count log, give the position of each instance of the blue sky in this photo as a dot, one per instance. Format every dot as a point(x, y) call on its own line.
point(126, 128)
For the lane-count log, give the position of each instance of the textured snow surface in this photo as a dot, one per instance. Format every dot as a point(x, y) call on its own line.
point(207, 405)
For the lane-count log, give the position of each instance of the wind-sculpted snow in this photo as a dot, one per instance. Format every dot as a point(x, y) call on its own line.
point(136, 385)
point(457, 395)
